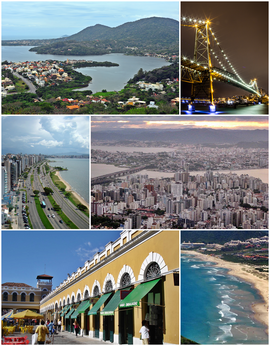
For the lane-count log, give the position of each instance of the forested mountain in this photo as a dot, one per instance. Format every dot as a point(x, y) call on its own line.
point(219, 237)
point(153, 30)
point(152, 35)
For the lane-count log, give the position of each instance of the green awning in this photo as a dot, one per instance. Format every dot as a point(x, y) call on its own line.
point(69, 313)
point(113, 304)
point(64, 311)
point(81, 308)
point(134, 297)
point(98, 304)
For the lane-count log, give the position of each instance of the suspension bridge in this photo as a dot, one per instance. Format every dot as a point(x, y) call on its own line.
point(209, 63)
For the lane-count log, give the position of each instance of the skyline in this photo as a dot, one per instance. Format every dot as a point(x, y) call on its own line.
point(60, 253)
point(242, 35)
point(61, 18)
point(45, 134)
point(101, 123)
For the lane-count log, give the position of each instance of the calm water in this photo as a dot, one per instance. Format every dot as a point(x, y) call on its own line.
point(77, 174)
point(255, 109)
point(98, 169)
point(109, 78)
point(216, 307)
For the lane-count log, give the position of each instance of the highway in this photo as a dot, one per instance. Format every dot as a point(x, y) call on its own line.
point(33, 214)
point(69, 209)
point(53, 220)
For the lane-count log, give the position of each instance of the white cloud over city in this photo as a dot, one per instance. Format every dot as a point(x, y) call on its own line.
point(45, 134)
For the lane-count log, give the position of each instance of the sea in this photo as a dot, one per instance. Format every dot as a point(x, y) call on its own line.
point(98, 169)
point(77, 174)
point(109, 78)
point(216, 307)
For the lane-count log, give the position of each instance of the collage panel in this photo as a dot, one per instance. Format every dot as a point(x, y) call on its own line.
point(124, 61)
point(224, 278)
point(121, 287)
point(223, 69)
point(45, 172)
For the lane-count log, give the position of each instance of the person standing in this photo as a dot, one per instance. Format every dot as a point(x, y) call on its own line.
point(42, 331)
point(59, 325)
point(144, 331)
point(76, 327)
point(50, 327)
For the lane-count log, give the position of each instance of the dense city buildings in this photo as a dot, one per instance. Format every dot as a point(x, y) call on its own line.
point(209, 200)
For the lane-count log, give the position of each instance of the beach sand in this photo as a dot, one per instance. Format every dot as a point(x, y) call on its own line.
point(247, 273)
point(69, 188)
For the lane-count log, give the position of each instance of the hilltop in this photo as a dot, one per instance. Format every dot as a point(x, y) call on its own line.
point(148, 35)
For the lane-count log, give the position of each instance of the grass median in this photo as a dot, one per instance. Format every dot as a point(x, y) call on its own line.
point(42, 215)
point(63, 216)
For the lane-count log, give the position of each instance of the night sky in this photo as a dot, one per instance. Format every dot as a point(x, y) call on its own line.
point(242, 30)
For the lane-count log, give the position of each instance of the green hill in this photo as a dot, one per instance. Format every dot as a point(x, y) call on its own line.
point(151, 35)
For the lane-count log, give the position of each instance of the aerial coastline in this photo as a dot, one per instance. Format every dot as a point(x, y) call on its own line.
point(69, 188)
point(246, 273)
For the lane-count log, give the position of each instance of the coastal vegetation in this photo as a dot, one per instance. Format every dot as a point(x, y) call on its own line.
point(144, 36)
point(59, 96)
point(220, 237)
point(186, 341)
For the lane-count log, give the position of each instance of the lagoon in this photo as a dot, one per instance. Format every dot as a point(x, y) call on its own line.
point(109, 78)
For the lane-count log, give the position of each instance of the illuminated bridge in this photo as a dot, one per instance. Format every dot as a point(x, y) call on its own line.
point(106, 178)
point(209, 63)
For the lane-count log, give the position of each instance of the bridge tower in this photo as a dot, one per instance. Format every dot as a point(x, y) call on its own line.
point(202, 56)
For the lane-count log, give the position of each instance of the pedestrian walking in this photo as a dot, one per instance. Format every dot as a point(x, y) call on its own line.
point(42, 331)
point(76, 327)
point(144, 333)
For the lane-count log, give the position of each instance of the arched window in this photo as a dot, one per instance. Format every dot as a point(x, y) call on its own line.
point(86, 294)
point(96, 291)
point(23, 297)
point(72, 299)
point(78, 297)
point(68, 301)
point(32, 297)
point(125, 280)
point(108, 286)
point(152, 271)
point(14, 297)
point(5, 296)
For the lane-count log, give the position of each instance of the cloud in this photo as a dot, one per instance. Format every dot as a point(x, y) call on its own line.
point(85, 254)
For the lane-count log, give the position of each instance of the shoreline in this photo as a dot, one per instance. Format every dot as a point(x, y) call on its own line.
point(69, 188)
point(244, 272)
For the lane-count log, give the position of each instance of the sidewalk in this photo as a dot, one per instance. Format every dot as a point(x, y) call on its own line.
point(66, 338)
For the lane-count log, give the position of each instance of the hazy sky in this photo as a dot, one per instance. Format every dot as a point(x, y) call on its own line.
point(53, 19)
point(45, 134)
point(53, 253)
point(99, 123)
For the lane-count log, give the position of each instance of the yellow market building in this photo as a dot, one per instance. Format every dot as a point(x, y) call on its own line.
point(134, 278)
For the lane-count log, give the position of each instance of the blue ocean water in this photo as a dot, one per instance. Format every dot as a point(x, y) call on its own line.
point(77, 174)
point(216, 307)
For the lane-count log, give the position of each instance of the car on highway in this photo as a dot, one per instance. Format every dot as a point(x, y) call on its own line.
point(60, 221)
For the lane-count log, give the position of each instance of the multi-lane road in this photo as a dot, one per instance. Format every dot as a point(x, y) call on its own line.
point(70, 210)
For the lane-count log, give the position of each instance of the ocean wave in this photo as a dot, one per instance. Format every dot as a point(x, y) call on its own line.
point(227, 332)
point(225, 312)
point(212, 279)
point(195, 266)
point(227, 297)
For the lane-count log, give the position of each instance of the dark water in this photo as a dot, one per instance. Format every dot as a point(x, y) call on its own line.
point(253, 109)
point(109, 78)
point(216, 307)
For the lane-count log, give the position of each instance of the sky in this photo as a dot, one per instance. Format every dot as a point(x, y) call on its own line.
point(242, 31)
point(45, 134)
point(102, 123)
point(27, 254)
point(54, 19)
